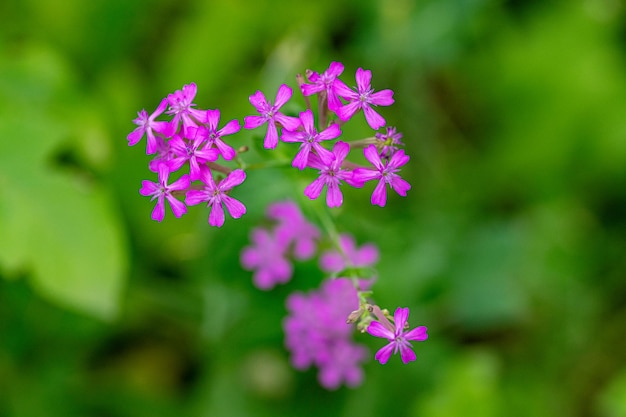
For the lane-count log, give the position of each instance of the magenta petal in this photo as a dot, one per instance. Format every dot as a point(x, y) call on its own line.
point(384, 353)
point(232, 180)
point(258, 100)
point(400, 317)
point(252, 122)
point(181, 184)
point(374, 120)
point(371, 154)
point(378, 330)
point(332, 262)
point(227, 152)
point(230, 128)
point(271, 137)
point(331, 132)
point(194, 197)
point(135, 136)
point(379, 196)
point(341, 150)
point(283, 95)
point(148, 188)
point(335, 69)
point(362, 175)
point(347, 111)
point(334, 198)
point(400, 186)
point(302, 157)
point(406, 353)
point(159, 210)
point(363, 79)
point(343, 90)
point(382, 98)
point(216, 217)
point(212, 118)
point(314, 189)
point(178, 207)
point(419, 334)
point(287, 122)
point(235, 208)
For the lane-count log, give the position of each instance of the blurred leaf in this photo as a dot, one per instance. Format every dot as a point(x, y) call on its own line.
point(57, 225)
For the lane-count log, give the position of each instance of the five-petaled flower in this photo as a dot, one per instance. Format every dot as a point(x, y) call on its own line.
point(269, 113)
point(181, 103)
point(215, 195)
point(148, 125)
point(363, 98)
point(214, 136)
point(162, 191)
point(310, 139)
point(385, 173)
point(331, 174)
point(324, 82)
point(396, 335)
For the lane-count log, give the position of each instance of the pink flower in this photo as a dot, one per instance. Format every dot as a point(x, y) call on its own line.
point(330, 176)
point(324, 82)
point(293, 229)
point(147, 125)
point(191, 150)
point(161, 191)
point(269, 114)
point(214, 136)
point(398, 338)
point(215, 196)
point(385, 173)
point(266, 256)
point(363, 98)
point(310, 139)
point(389, 142)
point(181, 103)
point(351, 256)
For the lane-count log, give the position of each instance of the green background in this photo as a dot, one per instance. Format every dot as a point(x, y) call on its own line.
point(510, 246)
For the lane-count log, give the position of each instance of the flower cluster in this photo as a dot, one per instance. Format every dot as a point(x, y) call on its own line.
point(191, 139)
point(269, 255)
point(316, 333)
point(195, 165)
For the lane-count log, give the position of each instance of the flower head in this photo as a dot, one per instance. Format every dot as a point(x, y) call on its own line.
point(385, 173)
point(215, 196)
point(324, 82)
point(336, 261)
point(331, 175)
point(266, 256)
point(294, 229)
point(146, 124)
point(181, 106)
point(397, 336)
point(310, 139)
point(363, 98)
point(388, 142)
point(269, 114)
point(162, 191)
point(191, 148)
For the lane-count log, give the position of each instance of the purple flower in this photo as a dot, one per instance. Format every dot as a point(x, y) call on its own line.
point(330, 176)
point(294, 229)
point(161, 191)
point(310, 139)
point(181, 103)
point(336, 261)
point(269, 113)
point(324, 82)
point(385, 173)
point(146, 124)
point(316, 333)
point(389, 142)
point(363, 98)
point(215, 196)
point(192, 150)
point(266, 256)
point(398, 338)
point(214, 136)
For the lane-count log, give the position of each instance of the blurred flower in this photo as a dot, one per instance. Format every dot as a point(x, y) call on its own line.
point(266, 256)
point(398, 338)
point(316, 333)
point(271, 115)
point(293, 229)
point(385, 173)
point(349, 255)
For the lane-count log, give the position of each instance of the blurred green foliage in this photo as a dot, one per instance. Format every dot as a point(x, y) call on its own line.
point(510, 246)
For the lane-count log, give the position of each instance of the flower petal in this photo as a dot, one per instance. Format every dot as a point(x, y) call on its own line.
point(216, 217)
point(378, 330)
point(283, 95)
point(363, 79)
point(374, 120)
point(379, 196)
point(235, 208)
point(384, 353)
point(419, 333)
point(314, 189)
point(400, 318)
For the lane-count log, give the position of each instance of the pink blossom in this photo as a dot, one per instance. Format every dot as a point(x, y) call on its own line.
point(388, 142)
point(214, 136)
point(363, 99)
point(181, 106)
point(397, 336)
point(331, 174)
point(215, 196)
point(192, 149)
point(269, 114)
point(310, 139)
point(266, 256)
point(161, 191)
point(293, 229)
point(324, 82)
point(385, 173)
point(148, 125)
point(349, 255)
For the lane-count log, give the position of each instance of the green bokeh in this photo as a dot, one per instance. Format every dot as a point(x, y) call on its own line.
point(510, 246)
